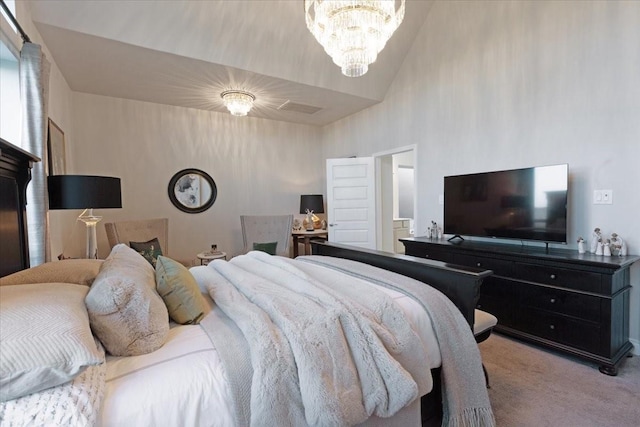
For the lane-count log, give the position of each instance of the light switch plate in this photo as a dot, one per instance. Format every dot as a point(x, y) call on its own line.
point(603, 197)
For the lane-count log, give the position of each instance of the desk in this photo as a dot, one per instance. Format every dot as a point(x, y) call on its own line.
point(306, 238)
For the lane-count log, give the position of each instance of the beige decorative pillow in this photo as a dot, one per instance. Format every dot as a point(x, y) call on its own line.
point(80, 271)
point(180, 291)
point(45, 338)
point(126, 312)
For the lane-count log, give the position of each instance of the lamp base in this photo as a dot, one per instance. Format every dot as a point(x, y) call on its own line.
point(311, 224)
point(91, 221)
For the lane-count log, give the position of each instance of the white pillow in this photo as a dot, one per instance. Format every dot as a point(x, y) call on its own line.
point(45, 338)
point(125, 310)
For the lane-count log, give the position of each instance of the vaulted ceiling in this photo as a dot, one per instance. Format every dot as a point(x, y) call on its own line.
point(185, 53)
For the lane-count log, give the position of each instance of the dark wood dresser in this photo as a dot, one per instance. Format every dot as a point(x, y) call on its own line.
point(575, 303)
point(15, 174)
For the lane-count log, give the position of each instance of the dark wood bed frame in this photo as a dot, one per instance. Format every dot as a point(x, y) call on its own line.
point(15, 174)
point(460, 284)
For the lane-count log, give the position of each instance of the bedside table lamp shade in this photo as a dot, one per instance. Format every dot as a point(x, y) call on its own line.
point(311, 204)
point(85, 192)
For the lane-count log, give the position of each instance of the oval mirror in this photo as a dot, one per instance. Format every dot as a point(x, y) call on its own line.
point(192, 190)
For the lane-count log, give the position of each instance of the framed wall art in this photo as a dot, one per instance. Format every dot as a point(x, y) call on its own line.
point(192, 190)
point(56, 150)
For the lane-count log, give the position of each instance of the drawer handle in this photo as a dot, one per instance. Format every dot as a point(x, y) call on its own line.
point(479, 264)
point(552, 327)
point(553, 276)
point(552, 300)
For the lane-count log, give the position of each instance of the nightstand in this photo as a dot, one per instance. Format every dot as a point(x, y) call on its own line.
point(306, 237)
point(208, 256)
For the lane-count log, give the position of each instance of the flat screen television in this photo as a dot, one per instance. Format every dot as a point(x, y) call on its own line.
point(523, 204)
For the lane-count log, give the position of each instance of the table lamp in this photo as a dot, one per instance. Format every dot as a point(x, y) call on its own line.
point(85, 192)
point(311, 204)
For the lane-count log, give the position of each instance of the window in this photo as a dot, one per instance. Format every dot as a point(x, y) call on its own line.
point(11, 5)
point(10, 111)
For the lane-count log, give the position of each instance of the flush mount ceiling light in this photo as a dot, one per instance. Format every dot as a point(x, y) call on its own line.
point(238, 102)
point(353, 32)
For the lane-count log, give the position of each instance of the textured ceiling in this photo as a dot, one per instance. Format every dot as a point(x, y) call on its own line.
point(185, 53)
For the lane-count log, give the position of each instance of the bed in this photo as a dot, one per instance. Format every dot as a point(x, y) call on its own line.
point(206, 373)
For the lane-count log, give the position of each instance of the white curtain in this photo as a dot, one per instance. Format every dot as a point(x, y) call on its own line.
point(34, 96)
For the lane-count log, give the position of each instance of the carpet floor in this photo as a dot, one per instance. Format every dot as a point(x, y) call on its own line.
point(531, 386)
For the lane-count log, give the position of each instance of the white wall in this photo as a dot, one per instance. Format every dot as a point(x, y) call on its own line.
point(259, 166)
point(496, 85)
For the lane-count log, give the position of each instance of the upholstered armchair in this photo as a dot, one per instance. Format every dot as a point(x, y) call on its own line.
point(265, 229)
point(139, 231)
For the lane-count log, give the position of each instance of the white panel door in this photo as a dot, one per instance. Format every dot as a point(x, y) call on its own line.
point(351, 204)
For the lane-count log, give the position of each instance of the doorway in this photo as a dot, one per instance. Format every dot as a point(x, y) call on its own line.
point(396, 196)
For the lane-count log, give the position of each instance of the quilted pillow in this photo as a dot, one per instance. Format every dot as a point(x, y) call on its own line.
point(126, 312)
point(150, 250)
point(180, 291)
point(269, 247)
point(44, 336)
point(80, 271)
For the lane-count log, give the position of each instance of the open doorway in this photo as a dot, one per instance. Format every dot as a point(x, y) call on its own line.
point(396, 197)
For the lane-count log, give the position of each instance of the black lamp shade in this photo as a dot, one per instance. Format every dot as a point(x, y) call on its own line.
point(83, 192)
point(312, 202)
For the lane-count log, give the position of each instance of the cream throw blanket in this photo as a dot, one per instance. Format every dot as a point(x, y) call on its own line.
point(325, 348)
point(464, 393)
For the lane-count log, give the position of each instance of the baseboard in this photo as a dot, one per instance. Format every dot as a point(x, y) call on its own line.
point(636, 346)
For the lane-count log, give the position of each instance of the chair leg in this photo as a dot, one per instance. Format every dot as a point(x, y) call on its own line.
point(486, 376)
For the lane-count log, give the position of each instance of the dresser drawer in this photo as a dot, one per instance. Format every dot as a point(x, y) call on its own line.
point(500, 288)
point(499, 267)
point(572, 279)
point(429, 253)
point(581, 306)
point(576, 333)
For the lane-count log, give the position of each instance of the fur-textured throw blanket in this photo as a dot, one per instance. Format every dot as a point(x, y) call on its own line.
point(464, 393)
point(325, 348)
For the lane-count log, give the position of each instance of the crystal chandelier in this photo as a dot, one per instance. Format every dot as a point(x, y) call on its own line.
point(238, 102)
point(353, 32)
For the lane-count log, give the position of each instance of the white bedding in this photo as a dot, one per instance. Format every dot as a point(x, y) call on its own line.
point(182, 383)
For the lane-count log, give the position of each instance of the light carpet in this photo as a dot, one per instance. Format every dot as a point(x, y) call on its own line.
point(531, 386)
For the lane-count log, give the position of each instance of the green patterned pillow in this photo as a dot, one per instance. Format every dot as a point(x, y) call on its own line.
point(150, 250)
point(179, 291)
point(269, 247)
